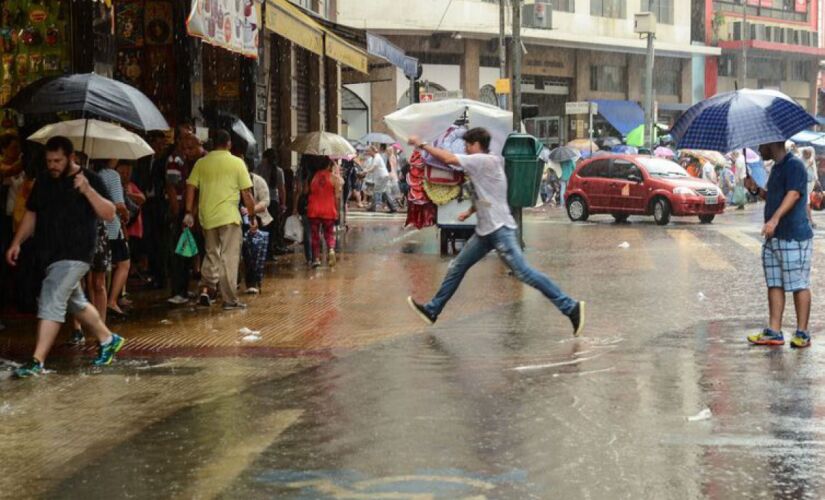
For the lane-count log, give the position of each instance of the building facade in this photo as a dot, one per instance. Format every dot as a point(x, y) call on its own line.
point(778, 39)
point(591, 53)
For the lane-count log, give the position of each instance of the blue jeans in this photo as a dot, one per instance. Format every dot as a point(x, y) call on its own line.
point(504, 241)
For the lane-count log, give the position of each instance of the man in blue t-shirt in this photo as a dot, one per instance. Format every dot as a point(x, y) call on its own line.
point(786, 253)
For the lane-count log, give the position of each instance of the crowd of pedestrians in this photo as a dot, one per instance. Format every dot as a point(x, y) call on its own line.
point(85, 233)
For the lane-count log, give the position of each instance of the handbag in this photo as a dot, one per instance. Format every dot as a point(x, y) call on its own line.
point(294, 229)
point(254, 252)
point(187, 247)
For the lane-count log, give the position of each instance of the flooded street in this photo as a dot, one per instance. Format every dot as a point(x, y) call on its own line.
point(345, 393)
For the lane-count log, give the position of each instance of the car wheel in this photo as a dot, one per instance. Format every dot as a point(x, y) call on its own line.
point(577, 209)
point(620, 218)
point(707, 219)
point(661, 211)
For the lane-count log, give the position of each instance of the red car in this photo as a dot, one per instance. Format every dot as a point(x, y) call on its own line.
point(625, 185)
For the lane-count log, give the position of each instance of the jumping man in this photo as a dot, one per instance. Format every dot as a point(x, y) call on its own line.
point(496, 230)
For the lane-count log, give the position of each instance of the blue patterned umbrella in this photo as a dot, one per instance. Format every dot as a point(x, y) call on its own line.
point(734, 120)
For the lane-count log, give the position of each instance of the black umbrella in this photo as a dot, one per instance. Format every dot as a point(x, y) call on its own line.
point(240, 132)
point(94, 96)
point(564, 153)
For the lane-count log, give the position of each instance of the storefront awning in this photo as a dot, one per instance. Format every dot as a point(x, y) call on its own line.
point(624, 116)
point(381, 47)
point(346, 53)
point(292, 23)
point(286, 20)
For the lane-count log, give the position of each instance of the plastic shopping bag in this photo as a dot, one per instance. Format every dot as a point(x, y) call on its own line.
point(739, 196)
point(187, 247)
point(294, 229)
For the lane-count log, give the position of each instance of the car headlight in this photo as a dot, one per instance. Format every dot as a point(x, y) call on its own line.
point(685, 191)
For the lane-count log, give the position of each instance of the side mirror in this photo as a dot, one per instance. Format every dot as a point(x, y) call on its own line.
point(634, 178)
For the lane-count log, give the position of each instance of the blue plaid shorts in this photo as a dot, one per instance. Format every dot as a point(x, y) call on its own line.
point(787, 264)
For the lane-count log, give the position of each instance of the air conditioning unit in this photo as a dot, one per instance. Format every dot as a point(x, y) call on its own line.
point(538, 15)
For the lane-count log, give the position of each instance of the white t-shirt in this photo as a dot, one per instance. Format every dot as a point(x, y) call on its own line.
point(486, 171)
point(741, 168)
point(709, 172)
point(379, 167)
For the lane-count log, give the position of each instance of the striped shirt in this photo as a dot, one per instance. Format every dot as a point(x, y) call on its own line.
point(112, 181)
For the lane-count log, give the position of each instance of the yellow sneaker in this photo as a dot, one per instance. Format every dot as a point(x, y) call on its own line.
point(331, 257)
point(767, 337)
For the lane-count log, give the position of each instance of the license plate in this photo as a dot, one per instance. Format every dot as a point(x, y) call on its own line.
point(711, 200)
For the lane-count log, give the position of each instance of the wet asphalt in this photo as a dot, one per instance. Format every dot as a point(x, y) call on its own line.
point(349, 395)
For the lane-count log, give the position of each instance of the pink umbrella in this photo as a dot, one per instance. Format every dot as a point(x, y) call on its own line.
point(750, 156)
point(663, 152)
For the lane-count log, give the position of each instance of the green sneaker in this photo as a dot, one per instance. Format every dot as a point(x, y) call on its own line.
point(767, 337)
point(31, 369)
point(800, 340)
point(106, 353)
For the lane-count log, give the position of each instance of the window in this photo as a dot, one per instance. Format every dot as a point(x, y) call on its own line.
point(800, 71)
point(727, 65)
point(607, 8)
point(598, 168)
point(666, 81)
point(622, 169)
point(662, 8)
point(766, 68)
point(564, 5)
point(608, 78)
point(787, 10)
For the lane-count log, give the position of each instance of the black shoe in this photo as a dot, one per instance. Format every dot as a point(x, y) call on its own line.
point(422, 311)
point(204, 299)
point(77, 338)
point(577, 318)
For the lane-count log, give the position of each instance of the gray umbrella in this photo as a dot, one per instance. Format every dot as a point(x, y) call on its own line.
point(377, 137)
point(232, 123)
point(94, 96)
point(564, 153)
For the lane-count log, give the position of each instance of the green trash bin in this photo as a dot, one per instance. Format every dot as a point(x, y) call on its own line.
point(524, 169)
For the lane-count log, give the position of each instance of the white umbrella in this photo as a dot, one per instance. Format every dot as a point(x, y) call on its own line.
point(103, 140)
point(429, 120)
point(322, 144)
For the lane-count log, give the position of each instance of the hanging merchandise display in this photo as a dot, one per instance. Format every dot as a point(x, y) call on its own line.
point(146, 51)
point(231, 24)
point(33, 43)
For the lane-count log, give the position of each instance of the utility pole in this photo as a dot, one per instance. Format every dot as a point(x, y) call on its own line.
point(502, 48)
point(516, 84)
point(745, 37)
point(649, 125)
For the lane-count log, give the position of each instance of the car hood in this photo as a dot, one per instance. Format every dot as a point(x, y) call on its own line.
point(688, 182)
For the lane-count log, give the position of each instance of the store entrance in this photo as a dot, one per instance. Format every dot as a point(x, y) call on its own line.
point(548, 129)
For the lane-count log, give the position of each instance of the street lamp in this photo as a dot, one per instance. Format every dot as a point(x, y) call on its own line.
point(645, 24)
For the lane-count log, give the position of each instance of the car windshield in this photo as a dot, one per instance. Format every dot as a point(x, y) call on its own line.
point(658, 167)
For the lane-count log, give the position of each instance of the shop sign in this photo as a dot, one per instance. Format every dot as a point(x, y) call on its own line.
point(443, 95)
point(231, 24)
point(580, 108)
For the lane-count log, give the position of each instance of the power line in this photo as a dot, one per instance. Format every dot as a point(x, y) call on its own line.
point(444, 15)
